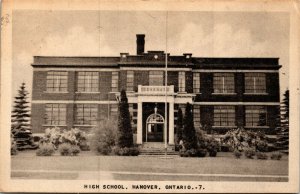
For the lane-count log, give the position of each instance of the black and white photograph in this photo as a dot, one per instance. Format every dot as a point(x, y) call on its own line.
point(190, 97)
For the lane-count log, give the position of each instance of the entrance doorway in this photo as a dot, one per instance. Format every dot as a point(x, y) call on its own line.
point(155, 128)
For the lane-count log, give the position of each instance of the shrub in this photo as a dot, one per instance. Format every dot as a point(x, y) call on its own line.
point(225, 148)
point(183, 153)
point(201, 152)
point(52, 135)
point(45, 149)
point(201, 139)
point(262, 146)
point(105, 137)
point(125, 135)
point(65, 149)
point(212, 147)
point(75, 150)
point(212, 153)
point(276, 156)
point(192, 152)
point(242, 139)
point(133, 151)
point(74, 136)
point(237, 153)
point(261, 156)
point(103, 148)
point(189, 136)
point(13, 148)
point(178, 147)
point(250, 153)
point(179, 126)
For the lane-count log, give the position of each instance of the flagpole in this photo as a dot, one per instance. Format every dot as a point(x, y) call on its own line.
point(166, 83)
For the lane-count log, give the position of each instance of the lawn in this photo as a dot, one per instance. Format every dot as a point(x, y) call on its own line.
point(224, 163)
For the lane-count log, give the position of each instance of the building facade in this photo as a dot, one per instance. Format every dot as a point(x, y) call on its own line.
point(225, 93)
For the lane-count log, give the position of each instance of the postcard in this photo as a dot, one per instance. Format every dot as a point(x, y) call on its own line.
point(149, 96)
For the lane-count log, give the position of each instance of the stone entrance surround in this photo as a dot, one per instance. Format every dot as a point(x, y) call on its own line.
point(157, 94)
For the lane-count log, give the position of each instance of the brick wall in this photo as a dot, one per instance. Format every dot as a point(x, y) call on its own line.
point(37, 118)
point(207, 118)
point(140, 78)
point(206, 88)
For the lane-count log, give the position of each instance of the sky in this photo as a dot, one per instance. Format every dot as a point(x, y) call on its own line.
point(108, 33)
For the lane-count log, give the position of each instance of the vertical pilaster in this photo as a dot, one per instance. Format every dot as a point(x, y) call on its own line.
point(171, 123)
point(139, 124)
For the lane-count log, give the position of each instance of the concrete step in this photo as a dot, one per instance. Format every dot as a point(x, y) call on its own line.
point(156, 149)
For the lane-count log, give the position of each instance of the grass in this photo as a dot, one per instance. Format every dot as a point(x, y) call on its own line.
point(224, 163)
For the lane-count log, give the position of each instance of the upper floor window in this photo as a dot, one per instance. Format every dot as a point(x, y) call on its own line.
point(88, 81)
point(130, 77)
point(223, 83)
point(86, 114)
point(196, 82)
point(181, 81)
point(156, 78)
point(255, 83)
point(114, 81)
point(57, 81)
point(55, 114)
point(224, 116)
point(256, 116)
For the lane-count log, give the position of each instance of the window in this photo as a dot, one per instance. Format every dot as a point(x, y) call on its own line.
point(130, 76)
point(86, 114)
point(57, 81)
point(88, 82)
point(196, 82)
point(255, 83)
point(223, 83)
point(114, 81)
point(224, 116)
point(196, 114)
point(256, 116)
point(55, 114)
point(181, 81)
point(156, 78)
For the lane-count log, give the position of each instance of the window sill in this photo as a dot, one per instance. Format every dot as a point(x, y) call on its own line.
point(197, 93)
point(224, 94)
point(84, 125)
point(54, 125)
point(87, 92)
point(258, 127)
point(255, 93)
point(224, 126)
point(56, 92)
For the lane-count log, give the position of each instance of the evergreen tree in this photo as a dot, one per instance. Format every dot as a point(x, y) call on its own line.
point(125, 136)
point(283, 132)
point(189, 133)
point(20, 126)
point(285, 108)
point(179, 125)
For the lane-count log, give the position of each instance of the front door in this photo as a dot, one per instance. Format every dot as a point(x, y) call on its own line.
point(155, 128)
